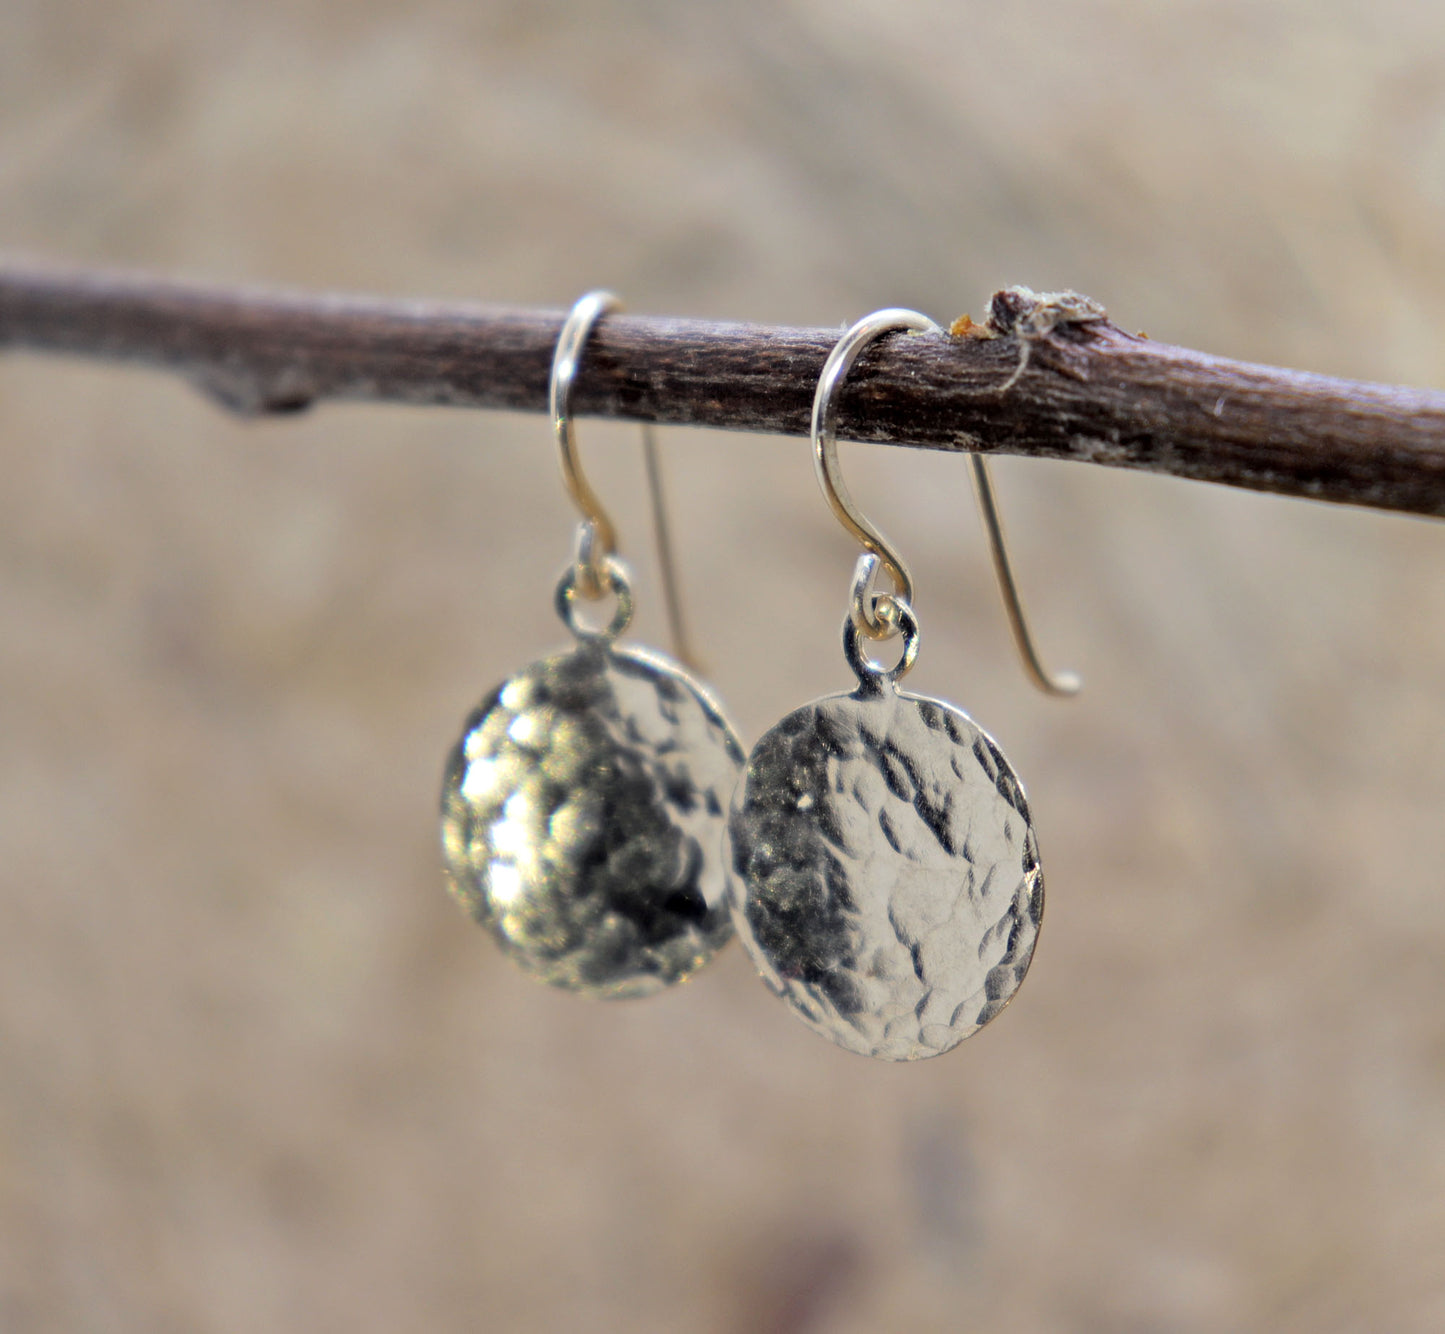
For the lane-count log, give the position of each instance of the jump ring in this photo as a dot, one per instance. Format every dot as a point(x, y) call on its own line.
point(870, 674)
point(875, 614)
point(615, 578)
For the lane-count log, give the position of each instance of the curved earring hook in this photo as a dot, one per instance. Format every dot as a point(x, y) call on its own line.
point(1061, 683)
point(880, 618)
point(598, 539)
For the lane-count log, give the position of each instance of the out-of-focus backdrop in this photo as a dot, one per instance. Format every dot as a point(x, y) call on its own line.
point(257, 1072)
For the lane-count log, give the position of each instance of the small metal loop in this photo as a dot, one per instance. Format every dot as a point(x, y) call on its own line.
point(568, 592)
point(871, 675)
point(875, 614)
point(825, 455)
point(566, 357)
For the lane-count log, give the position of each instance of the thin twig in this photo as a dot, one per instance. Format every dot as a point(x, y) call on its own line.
point(1046, 376)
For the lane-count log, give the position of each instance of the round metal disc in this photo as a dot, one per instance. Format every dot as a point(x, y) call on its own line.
point(887, 876)
point(582, 812)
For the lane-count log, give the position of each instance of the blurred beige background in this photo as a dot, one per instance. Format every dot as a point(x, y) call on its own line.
point(257, 1072)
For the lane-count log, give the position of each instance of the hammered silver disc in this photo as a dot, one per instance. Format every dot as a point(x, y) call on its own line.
point(887, 880)
point(582, 812)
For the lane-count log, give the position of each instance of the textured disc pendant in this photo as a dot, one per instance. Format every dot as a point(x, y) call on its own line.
point(582, 812)
point(887, 875)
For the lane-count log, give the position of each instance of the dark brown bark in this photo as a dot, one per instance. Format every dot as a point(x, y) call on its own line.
point(1087, 391)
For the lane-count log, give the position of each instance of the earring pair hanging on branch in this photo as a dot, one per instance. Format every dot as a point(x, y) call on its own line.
point(886, 873)
point(583, 806)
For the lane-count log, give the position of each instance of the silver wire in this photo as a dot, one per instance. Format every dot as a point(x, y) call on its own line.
point(601, 540)
point(594, 569)
point(879, 615)
point(1063, 683)
point(682, 647)
point(876, 619)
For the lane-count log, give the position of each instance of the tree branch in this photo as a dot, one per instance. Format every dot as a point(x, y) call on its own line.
point(1048, 376)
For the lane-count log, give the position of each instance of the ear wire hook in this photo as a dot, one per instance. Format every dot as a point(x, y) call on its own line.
point(682, 648)
point(879, 617)
point(597, 537)
point(1060, 683)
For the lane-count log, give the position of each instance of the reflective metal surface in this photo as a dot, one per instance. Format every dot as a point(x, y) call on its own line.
point(601, 536)
point(582, 812)
point(887, 880)
point(875, 617)
point(876, 614)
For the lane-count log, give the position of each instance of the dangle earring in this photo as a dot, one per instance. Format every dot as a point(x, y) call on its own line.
point(583, 806)
point(886, 874)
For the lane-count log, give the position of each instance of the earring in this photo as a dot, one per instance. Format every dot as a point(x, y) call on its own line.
point(583, 806)
point(886, 873)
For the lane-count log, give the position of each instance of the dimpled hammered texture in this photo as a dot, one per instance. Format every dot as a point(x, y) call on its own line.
point(581, 814)
point(887, 876)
